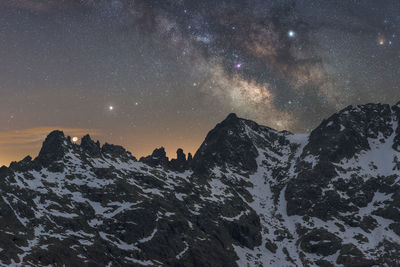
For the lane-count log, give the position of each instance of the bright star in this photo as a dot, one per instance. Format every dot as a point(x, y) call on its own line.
point(110, 108)
point(291, 34)
point(238, 65)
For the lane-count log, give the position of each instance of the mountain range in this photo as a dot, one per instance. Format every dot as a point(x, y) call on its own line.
point(250, 196)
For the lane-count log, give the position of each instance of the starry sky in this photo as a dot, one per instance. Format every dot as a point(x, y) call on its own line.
point(150, 73)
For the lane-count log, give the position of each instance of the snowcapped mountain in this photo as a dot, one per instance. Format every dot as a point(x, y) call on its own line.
point(250, 196)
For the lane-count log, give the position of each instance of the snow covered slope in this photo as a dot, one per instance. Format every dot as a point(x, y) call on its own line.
point(251, 196)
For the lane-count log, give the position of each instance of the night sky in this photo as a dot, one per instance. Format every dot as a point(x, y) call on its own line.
point(150, 73)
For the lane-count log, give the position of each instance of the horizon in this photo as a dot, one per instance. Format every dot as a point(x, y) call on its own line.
point(32, 149)
point(33, 142)
point(34, 145)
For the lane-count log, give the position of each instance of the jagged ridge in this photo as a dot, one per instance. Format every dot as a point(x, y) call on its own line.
point(250, 196)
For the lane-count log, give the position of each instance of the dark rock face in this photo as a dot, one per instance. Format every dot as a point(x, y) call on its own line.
point(227, 143)
point(180, 156)
point(90, 147)
point(157, 158)
point(23, 165)
point(347, 132)
point(341, 137)
point(179, 164)
point(234, 143)
point(117, 152)
point(53, 149)
point(320, 242)
point(350, 255)
point(251, 196)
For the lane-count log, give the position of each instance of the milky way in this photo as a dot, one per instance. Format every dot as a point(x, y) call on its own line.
point(171, 69)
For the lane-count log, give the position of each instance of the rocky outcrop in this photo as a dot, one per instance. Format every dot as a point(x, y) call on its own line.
point(115, 151)
point(227, 143)
point(180, 163)
point(320, 242)
point(53, 149)
point(251, 196)
point(90, 147)
point(346, 133)
point(332, 148)
point(157, 158)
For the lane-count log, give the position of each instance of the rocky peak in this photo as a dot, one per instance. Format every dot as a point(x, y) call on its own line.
point(90, 147)
point(180, 156)
point(116, 151)
point(53, 149)
point(22, 165)
point(346, 132)
point(56, 145)
point(232, 118)
point(180, 163)
point(157, 158)
point(3, 171)
point(227, 143)
point(352, 141)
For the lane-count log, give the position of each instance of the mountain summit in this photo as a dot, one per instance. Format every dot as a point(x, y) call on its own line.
point(250, 196)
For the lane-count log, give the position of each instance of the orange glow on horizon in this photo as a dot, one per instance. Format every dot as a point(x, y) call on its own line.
point(16, 145)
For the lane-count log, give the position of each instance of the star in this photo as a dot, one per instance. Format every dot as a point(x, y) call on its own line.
point(111, 108)
point(291, 34)
point(238, 65)
point(381, 39)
